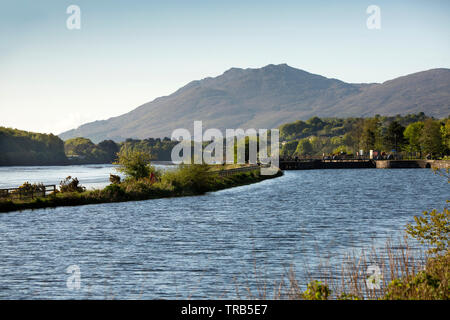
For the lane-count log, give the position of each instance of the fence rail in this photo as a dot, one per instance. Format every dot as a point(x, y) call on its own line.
point(20, 193)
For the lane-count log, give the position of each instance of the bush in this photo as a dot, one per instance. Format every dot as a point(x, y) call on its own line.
point(316, 291)
point(433, 229)
point(134, 164)
point(28, 189)
point(431, 283)
point(114, 192)
point(114, 179)
point(71, 185)
point(195, 178)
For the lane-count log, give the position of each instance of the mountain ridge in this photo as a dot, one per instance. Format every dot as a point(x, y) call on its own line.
point(270, 96)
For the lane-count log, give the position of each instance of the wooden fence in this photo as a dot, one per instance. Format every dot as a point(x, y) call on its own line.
point(20, 193)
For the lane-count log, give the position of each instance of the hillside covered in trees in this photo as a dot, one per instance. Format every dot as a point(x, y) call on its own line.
point(414, 135)
point(19, 147)
point(84, 151)
point(23, 148)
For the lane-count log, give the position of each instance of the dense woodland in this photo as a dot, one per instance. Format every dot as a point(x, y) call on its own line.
point(19, 147)
point(414, 135)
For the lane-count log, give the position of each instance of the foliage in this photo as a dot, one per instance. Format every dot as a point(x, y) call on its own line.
point(82, 150)
point(393, 138)
point(172, 183)
point(433, 229)
point(70, 184)
point(412, 135)
point(429, 284)
point(409, 133)
point(304, 147)
point(190, 178)
point(133, 163)
point(19, 147)
point(28, 189)
point(431, 137)
point(114, 179)
point(316, 290)
point(159, 149)
point(289, 148)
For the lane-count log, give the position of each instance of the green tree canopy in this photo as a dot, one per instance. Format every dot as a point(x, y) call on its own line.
point(412, 134)
point(431, 139)
point(133, 163)
point(394, 139)
point(304, 147)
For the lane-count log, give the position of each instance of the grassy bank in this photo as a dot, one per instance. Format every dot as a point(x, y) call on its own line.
point(184, 181)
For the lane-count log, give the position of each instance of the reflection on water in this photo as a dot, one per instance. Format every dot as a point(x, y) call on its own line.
point(195, 246)
point(90, 176)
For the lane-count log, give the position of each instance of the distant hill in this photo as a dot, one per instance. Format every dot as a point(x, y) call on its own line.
point(20, 148)
point(270, 96)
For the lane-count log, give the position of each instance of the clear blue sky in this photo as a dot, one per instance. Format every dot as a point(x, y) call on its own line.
point(130, 52)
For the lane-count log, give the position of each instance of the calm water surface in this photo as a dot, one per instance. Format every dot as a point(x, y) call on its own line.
point(90, 176)
point(195, 246)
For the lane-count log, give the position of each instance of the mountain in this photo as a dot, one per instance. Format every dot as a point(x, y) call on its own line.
point(270, 96)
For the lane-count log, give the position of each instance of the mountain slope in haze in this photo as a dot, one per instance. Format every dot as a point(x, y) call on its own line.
point(270, 96)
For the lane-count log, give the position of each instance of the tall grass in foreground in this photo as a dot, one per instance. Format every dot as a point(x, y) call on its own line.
point(405, 272)
point(346, 280)
point(395, 271)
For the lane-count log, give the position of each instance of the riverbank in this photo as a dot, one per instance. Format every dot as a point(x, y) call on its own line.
point(176, 184)
point(363, 164)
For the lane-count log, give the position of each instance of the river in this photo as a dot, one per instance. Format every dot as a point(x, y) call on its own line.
point(200, 247)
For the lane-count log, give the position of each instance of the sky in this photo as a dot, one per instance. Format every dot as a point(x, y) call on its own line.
point(127, 53)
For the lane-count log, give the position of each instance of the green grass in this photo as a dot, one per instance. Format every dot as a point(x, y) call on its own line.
point(185, 181)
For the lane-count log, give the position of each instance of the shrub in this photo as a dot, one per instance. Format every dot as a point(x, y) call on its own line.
point(432, 228)
point(114, 192)
point(114, 179)
point(28, 189)
point(70, 184)
point(316, 291)
point(195, 178)
point(133, 163)
point(431, 283)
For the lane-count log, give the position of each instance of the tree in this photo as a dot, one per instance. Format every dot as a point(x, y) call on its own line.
point(433, 228)
point(370, 134)
point(412, 134)
point(431, 139)
point(304, 147)
point(134, 164)
point(289, 148)
point(394, 139)
point(110, 148)
point(19, 147)
point(445, 131)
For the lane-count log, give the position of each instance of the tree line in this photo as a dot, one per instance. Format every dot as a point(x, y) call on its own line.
point(18, 147)
point(414, 135)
